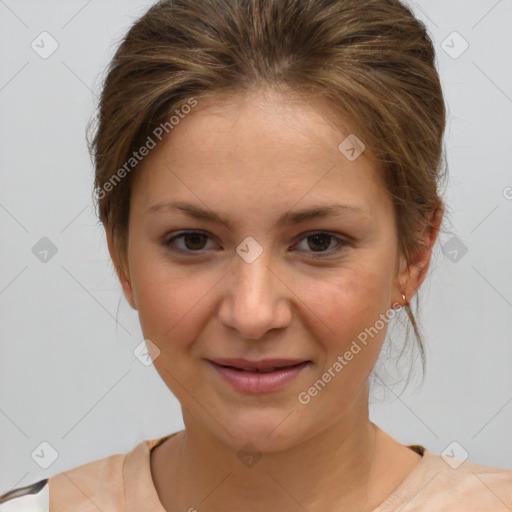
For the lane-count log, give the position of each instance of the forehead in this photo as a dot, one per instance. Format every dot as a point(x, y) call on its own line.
point(262, 146)
point(265, 121)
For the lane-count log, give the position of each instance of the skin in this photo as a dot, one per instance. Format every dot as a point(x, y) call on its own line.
point(253, 157)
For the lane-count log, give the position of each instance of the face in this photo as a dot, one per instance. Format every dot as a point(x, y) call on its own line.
point(267, 284)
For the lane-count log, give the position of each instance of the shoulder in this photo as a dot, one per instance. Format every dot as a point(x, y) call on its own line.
point(103, 484)
point(449, 484)
point(34, 497)
point(483, 485)
point(96, 485)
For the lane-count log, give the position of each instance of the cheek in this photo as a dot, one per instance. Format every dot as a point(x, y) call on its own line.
point(347, 300)
point(356, 312)
point(169, 301)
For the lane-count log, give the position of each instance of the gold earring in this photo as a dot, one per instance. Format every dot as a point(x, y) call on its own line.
point(404, 298)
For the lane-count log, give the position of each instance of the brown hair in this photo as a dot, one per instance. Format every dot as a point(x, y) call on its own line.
point(371, 59)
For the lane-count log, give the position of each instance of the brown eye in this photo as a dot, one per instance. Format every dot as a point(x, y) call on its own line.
point(320, 244)
point(192, 241)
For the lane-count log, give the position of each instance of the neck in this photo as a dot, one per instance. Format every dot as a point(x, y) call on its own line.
point(334, 467)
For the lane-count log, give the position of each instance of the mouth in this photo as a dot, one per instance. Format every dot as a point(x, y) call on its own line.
point(261, 366)
point(259, 377)
point(263, 370)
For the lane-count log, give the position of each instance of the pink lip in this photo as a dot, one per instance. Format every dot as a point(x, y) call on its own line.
point(256, 382)
point(263, 364)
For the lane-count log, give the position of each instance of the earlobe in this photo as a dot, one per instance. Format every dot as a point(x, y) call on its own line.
point(414, 271)
point(122, 271)
point(403, 293)
point(128, 291)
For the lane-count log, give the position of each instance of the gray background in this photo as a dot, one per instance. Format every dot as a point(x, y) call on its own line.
point(68, 374)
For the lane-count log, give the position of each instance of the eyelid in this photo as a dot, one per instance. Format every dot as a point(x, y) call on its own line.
point(342, 242)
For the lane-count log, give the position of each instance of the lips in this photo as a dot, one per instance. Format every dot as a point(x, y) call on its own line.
point(262, 366)
point(265, 376)
point(259, 370)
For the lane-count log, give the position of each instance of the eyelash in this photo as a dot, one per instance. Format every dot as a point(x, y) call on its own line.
point(320, 254)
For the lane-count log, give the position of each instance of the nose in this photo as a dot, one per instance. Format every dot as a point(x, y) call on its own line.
point(255, 298)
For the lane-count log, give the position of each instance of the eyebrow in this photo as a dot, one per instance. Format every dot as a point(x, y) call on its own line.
point(296, 217)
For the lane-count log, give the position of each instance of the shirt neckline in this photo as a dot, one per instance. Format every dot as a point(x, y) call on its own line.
point(141, 493)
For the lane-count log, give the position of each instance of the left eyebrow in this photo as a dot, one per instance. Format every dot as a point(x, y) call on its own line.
point(296, 217)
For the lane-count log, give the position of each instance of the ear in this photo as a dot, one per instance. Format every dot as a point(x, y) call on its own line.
point(414, 271)
point(122, 270)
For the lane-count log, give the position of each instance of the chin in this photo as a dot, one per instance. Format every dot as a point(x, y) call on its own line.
point(266, 433)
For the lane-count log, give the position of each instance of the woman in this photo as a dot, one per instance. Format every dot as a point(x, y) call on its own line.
point(267, 174)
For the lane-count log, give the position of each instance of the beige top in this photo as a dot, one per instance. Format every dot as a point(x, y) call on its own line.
point(123, 483)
